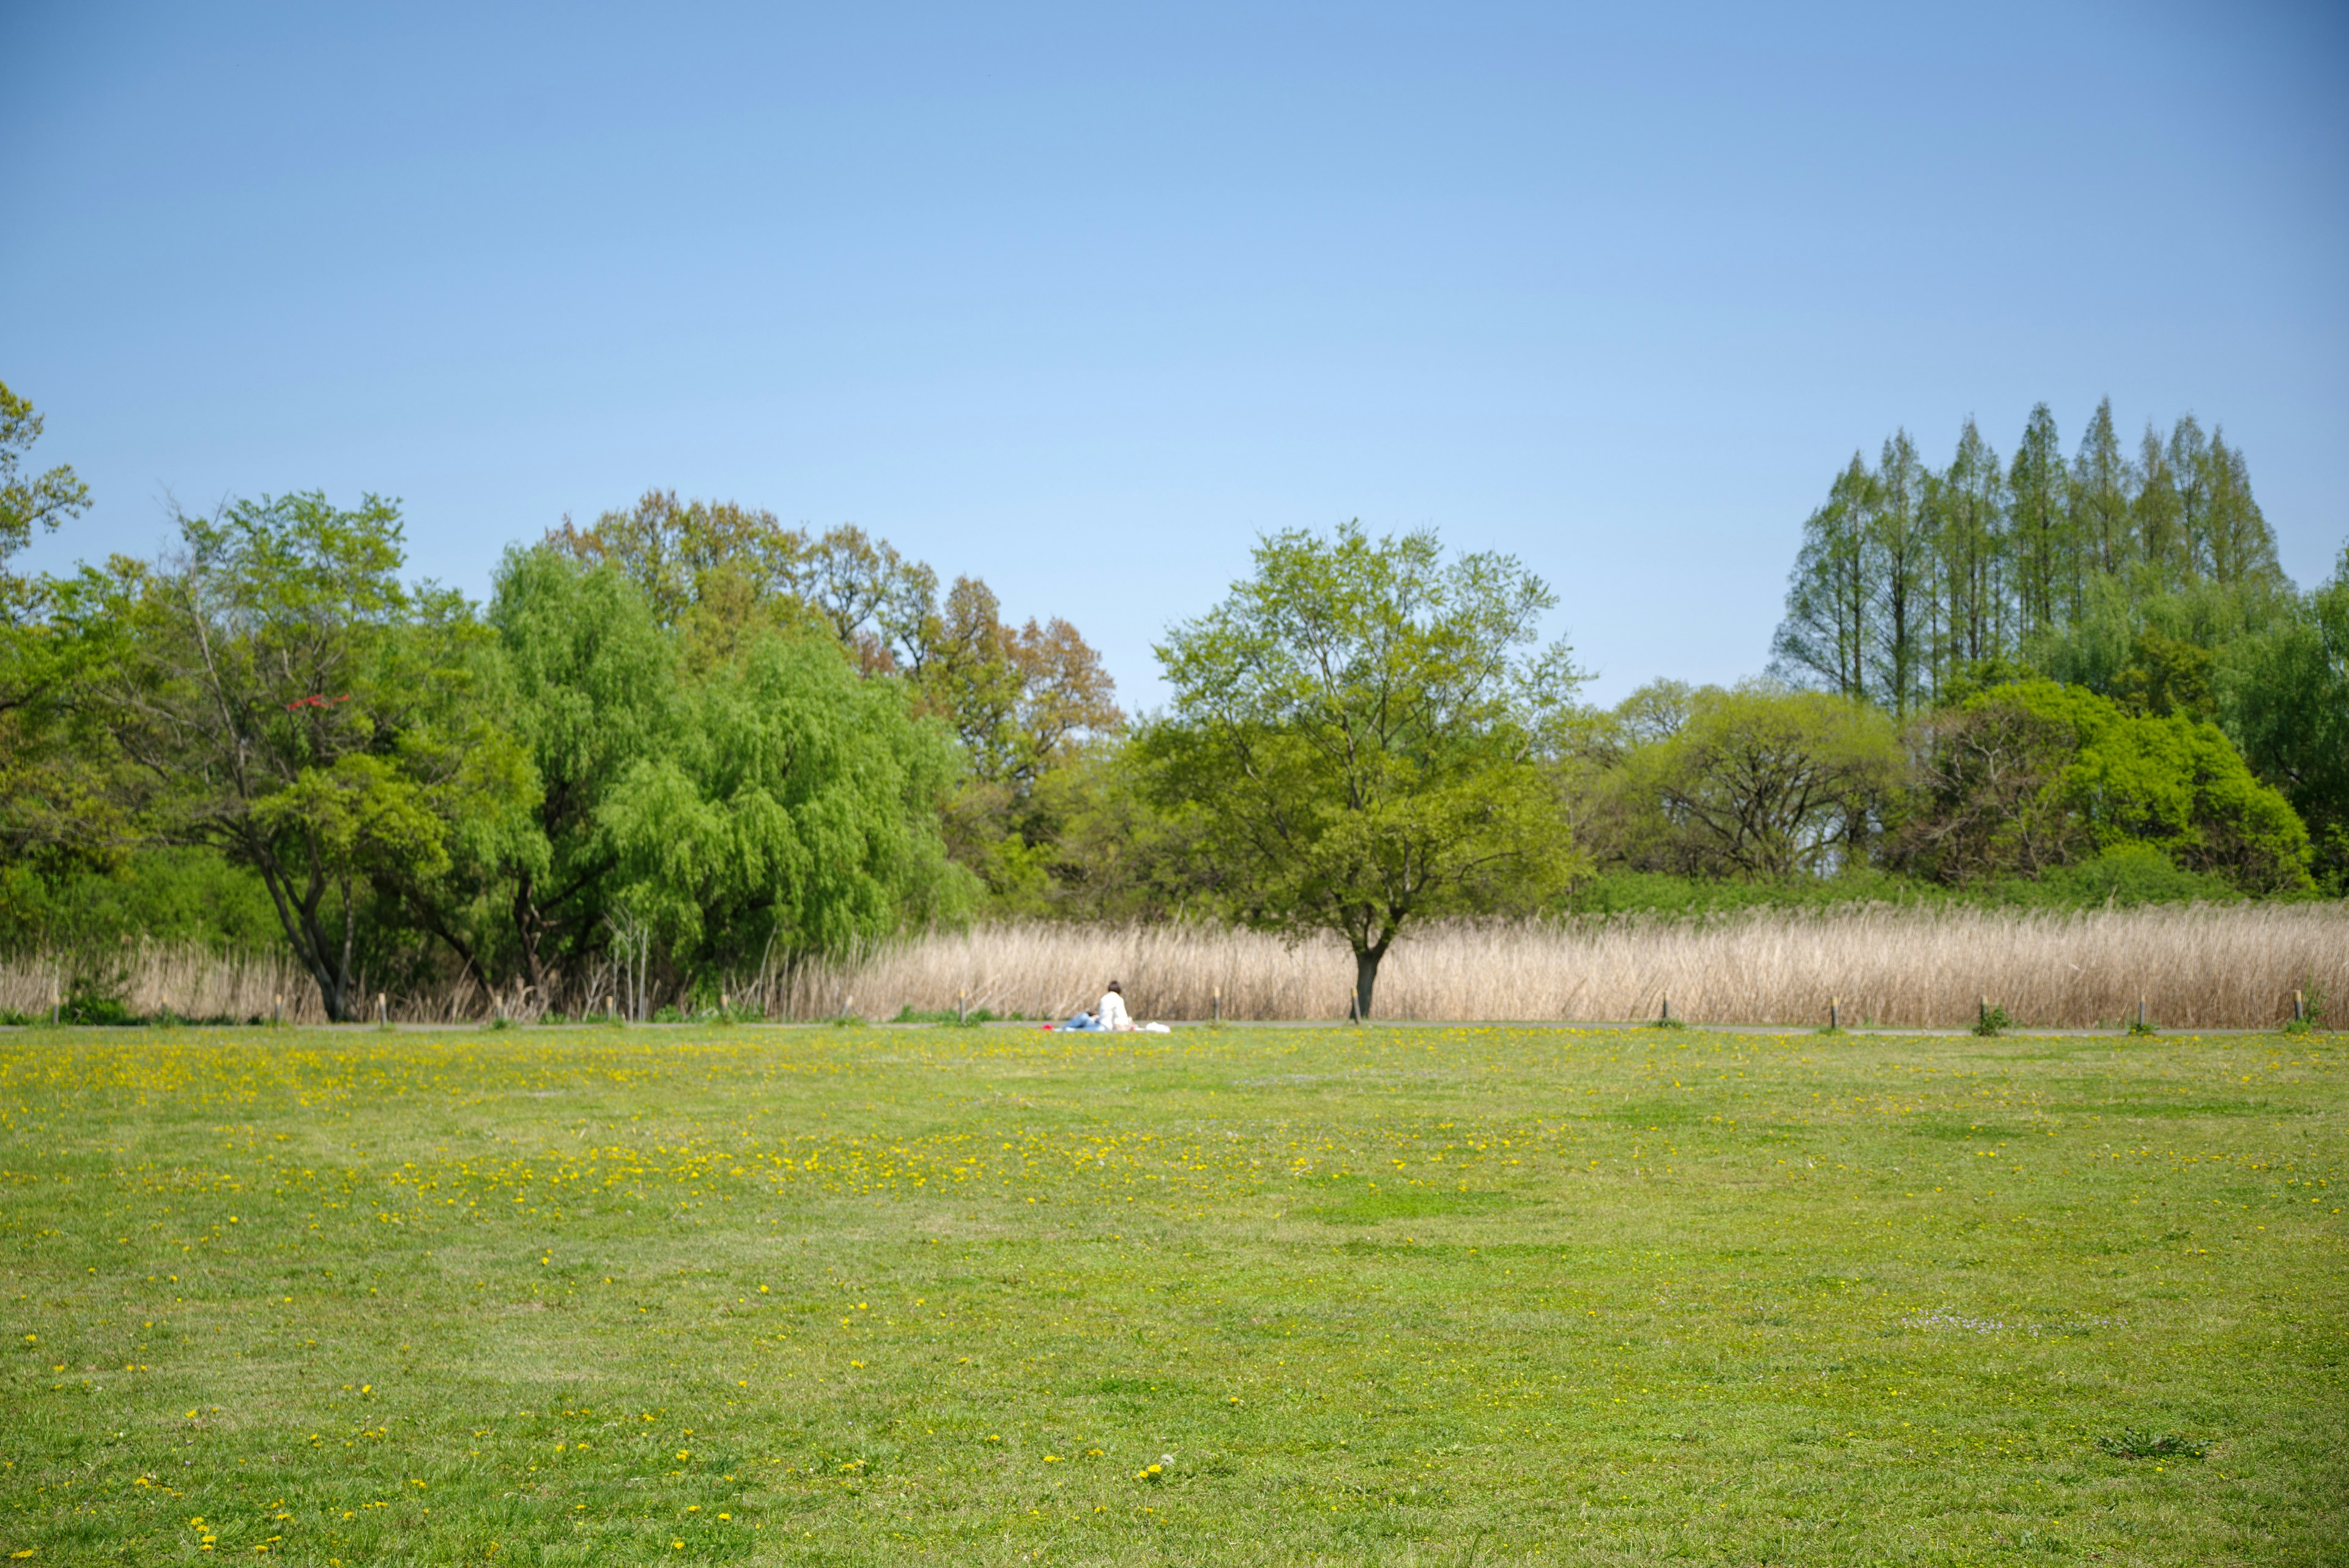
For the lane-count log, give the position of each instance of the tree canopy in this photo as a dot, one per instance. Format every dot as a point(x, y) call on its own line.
point(279, 693)
point(1357, 730)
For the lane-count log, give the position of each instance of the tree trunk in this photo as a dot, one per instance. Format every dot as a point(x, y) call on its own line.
point(1366, 978)
point(299, 920)
point(529, 926)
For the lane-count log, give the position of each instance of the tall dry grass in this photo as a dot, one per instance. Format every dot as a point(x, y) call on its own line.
point(154, 977)
point(2201, 967)
point(2197, 967)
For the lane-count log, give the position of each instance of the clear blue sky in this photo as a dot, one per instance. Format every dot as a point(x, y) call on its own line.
point(1081, 299)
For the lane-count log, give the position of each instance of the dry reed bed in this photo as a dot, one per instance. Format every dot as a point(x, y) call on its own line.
point(2195, 967)
point(189, 981)
point(199, 983)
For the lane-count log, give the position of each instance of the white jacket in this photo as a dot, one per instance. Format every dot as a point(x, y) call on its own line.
point(1111, 1012)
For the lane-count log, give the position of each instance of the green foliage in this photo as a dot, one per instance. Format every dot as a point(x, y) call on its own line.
point(795, 807)
point(1992, 1021)
point(169, 895)
point(948, 1018)
point(2148, 578)
point(717, 578)
point(1623, 890)
point(2155, 647)
point(2112, 571)
point(590, 688)
point(1097, 844)
point(2285, 694)
point(2027, 777)
point(54, 811)
point(1763, 782)
point(30, 502)
point(2122, 877)
point(95, 987)
point(1354, 737)
point(717, 574)
point(1023, 701)
point(280, 695)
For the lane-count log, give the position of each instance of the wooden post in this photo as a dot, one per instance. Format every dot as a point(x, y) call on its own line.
point(2141, 1015)
point(56, 1005)
point(277, 1008)
point(962, 1007)
point(1215, 1004)
point(611, 1008)
point(382, 1008)
point(1835, 1012)
point(1668, 1008)
point(2298, 1008)
point(722, 1008)
point(1982, 1014)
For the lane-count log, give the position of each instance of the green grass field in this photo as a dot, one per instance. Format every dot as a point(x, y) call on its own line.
point(1414, 1295)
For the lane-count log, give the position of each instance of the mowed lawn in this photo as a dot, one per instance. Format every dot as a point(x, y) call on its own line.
point(1409, 1295)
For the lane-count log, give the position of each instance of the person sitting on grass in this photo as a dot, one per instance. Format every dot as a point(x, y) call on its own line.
point(1111, 1014)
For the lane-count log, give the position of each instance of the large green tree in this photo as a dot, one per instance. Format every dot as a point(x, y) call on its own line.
point(1968, 505)
point(2046, 548)
point(30, 503)
point(278, 692)
point(1022, 701)
point(1831, 591)
point(591, 688)
point(1357, 730)
point(48, 802)
point(793, 811)
point(2283, 692)
point(717, 571)
point(1902, 543)
point(1762, 783)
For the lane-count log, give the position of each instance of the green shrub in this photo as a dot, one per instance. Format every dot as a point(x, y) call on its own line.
point(2124, 876)
point(163, 895)
point(946, 1017)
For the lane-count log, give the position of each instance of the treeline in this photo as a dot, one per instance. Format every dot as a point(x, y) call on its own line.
point(2144, 573)
point(684, 745)
point(674, 745)
point(1912, 581)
